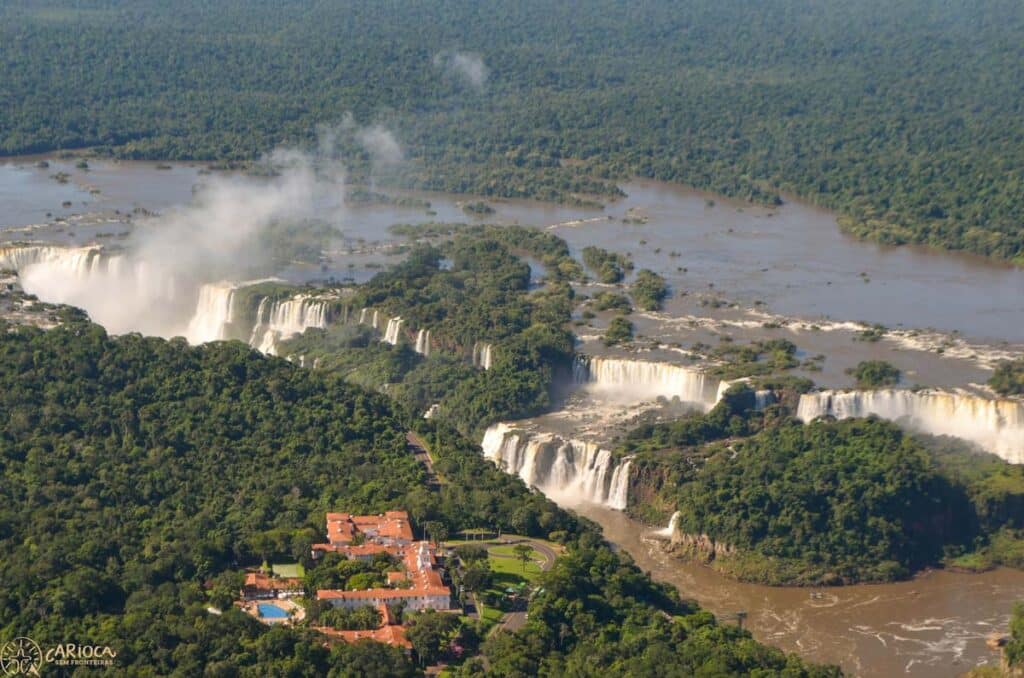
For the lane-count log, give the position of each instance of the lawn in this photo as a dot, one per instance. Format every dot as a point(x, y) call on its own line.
point(291, 570)
point(504, 560)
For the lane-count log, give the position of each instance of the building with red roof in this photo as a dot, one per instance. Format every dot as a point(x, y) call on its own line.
point(260, 585)
point(389, 632)
point(420, 586)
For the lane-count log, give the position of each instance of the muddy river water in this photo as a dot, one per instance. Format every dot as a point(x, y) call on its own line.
point(791, 258)
point(933, 625)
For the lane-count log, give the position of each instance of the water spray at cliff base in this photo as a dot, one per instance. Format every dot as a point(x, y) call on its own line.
point(153, 285)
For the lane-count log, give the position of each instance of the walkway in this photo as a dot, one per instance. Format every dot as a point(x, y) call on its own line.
point(418, 448)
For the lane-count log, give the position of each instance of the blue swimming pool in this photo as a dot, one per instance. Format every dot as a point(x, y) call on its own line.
point(271, 611)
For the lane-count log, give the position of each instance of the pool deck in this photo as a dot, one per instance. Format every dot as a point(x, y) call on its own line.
point(293, 611)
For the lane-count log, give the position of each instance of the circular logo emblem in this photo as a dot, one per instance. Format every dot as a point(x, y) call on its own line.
point(20, 657)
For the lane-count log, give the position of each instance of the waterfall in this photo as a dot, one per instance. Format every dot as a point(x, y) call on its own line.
point(280, 320)
point(643, 380)
point(376, 320)
point(423, 342)
point(362, 317)
point(482, 355)
point(78, 261)
point(995, 425)
point(667, 532)
point(116, 292)
point(572, 470)
point(214, 312)
point(392, 333)
point(762, 398)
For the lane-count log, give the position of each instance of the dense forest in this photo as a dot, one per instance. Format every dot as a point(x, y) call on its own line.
point(472, 286)
point(826, 502)
point(906, 117)
point(139, 475)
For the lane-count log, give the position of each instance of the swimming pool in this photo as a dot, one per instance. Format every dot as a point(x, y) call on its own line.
point(271, 611)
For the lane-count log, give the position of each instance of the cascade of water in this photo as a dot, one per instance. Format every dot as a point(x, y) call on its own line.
point(763, 398)
point(362, 316)
point(115, 291)
point(995, 425)
point(214, 312)
point(642, 380)
point(376, 320)
point(78, 261)
point(423, 342)
point(280, 320)
point(667, 532)
point(572, 470)
point(392, 333)
point(482, 355)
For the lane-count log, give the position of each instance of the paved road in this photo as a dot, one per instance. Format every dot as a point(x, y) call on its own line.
point(419, 450)
point(545, 551)
point(512, 621)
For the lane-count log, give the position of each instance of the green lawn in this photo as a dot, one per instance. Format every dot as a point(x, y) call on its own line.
point(490, 615)
point(503, 560)
point(289, 569)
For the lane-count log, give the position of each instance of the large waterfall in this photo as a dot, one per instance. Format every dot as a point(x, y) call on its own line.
point(995, 425)
point(118, 293)
point(79, 261)
point(569, 469)
point(639, 380)
point(214, 312)
point(280, 320)
point(423, 342)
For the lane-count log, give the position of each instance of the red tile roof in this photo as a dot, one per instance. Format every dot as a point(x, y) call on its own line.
point(392, 635)
point(343, 527)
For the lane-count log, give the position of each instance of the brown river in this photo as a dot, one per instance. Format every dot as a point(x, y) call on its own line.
point(933, 625)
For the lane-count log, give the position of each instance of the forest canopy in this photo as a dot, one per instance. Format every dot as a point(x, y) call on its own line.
point(904, 117)
point(137, 475)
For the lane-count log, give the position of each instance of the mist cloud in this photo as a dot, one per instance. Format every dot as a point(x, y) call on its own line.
point(222, 235)
point(381, 144)
point(466, 66)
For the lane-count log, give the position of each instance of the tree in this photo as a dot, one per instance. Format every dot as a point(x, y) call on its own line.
point(436, 531)
point(431, 633)
point(477, 577)
point(619, 330)
point(875, 374)
point(1008, 378)
point(363, 581)
point(1015, 646)
point(523, 552)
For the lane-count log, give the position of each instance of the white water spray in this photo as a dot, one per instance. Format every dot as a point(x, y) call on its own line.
point(393, 331)
point(995, 425)
point(423, 342)
point(482, 355)
point(639, 380)
point(280, 320)
point(571, 470)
